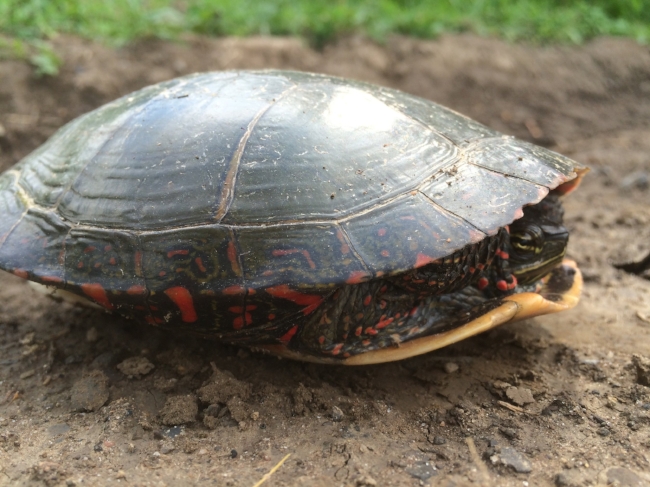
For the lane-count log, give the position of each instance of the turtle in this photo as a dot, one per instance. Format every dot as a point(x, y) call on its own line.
point(314, 217)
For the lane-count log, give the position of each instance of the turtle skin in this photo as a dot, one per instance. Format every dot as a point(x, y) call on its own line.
point(289, 211)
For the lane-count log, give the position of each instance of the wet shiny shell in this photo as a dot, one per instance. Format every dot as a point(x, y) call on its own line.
point(234, 199)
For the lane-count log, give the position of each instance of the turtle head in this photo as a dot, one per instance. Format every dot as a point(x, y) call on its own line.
point(538, 240)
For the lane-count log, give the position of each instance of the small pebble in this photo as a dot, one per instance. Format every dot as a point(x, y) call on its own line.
point(90, 393)
point(451, 367)
point(439, 440)
point(603, 432)
point(135, 367)
point(337, 414)
point(233, 453)
point(92, 335)
point(512, 458)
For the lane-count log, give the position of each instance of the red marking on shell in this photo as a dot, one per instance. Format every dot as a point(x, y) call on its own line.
point(179, 270)
point(61, 258)
point(138, 263)
point(251, 291)
point(359, 316)
point(337, 349)
point(136, 290)
point(51, 279)
point(112, 261)
point(507, 229)
point(502, 285)
point(384, 323)
point(412, 218)
point(385, 253)
point(199, 264)
point(357, 277)
point(305, 253)
point(97, 265)
point(139, 307)
point(370, 331)
point(382, 304)
point(381, 232)
point(423, 259)
point(358, 330)
point(97, 293)
point(108, 248)
point(267, 273)
point(239, 309)
point(480, 266)
point(232, 257)
point(233, 290)
point(271, 317)
point(311, 301)
point(519, 212)
point(383, 289)
point(172, 253)
point(570, 186)
point(21, 273)
point(162, 274)
point(80, 265)
point(413, 311)
point(345, 248)
point(286, 338)
point(89, 249)
point(321, 339)
point(472, 270)
point(482, 283)
point(476, 236)
point(183, 299)
point(153, 308)
point(367, 300)
point(365, 343)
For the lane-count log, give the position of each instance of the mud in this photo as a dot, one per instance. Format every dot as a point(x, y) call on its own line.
point(87, 398)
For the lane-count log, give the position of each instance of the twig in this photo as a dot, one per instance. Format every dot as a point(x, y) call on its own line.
point(512, 407)
point(477, 460)
point(272, 471)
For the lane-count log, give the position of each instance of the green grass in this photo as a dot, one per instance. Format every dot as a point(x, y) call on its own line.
point(119, 21)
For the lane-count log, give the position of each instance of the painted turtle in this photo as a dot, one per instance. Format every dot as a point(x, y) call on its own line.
point(318, 218)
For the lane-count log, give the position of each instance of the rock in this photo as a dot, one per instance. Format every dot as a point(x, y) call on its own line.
point(520, 395)
point(92, 335)
point(421, 470)
point(515, 460)
point(337, 414)
point(642, 366)
point(623, 477)
point(223, 386)
point(179, 410)
point(90, 393)
point(451, 367)
point(135, 367)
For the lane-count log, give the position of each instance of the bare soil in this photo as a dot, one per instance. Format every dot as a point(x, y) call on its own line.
point(87, 398)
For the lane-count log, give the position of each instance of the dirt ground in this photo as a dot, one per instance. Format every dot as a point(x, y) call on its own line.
point(87, 398)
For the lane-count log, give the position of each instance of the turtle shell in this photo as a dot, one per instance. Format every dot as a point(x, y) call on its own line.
point(234, 200)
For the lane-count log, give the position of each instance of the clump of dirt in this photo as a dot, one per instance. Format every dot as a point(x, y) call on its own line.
point(87, 398)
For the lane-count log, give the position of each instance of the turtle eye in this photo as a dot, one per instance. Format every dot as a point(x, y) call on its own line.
point(527, 240)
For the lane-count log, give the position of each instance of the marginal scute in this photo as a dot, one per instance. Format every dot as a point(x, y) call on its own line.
point(36, 244)
point(305, 255)
point(522, 160)
point(11, 207)
point(487, 200)
point(396, 237)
